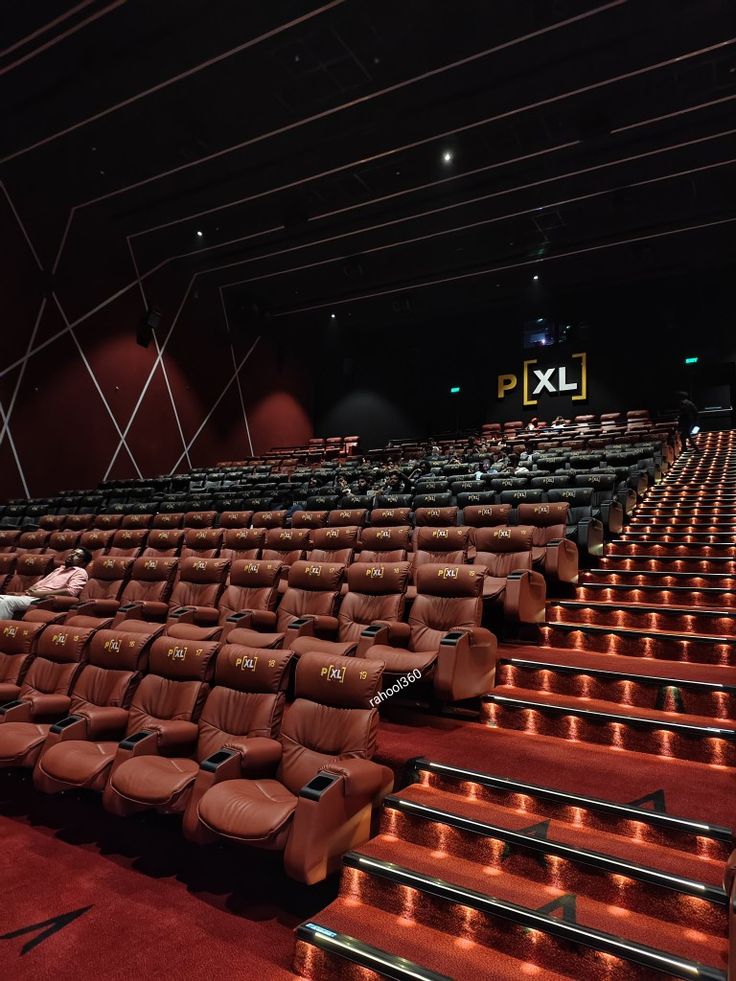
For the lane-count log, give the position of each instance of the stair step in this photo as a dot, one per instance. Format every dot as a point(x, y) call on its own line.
point(641, 730)
point(661, 644)
point(708, 620)
point(710, 595)
point(560, 803)
point(461, 887)
point(438, 808)
point(649, 575)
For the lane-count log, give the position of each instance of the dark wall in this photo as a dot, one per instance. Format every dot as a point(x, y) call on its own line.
point(389, 382)
point(68, 400)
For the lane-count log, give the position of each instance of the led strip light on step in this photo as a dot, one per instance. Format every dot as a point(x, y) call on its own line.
point(628, 811)
point(597, 939)
point(349, 948)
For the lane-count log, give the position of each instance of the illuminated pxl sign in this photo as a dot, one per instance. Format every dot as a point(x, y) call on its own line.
point(567, 379)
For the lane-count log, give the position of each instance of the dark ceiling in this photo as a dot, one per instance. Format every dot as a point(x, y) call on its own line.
point(378, 159)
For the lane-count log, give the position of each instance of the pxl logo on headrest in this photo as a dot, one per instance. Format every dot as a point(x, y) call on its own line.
point(200, 565)
point(383, 533)
point(200, 535)
point(440, 533)
point(58, 639)
point(503, 533)
point(333, 673)
point(448, 572)
point(150, 564)
point(332, 533)
point(541, 508)
point(285, 536)
point(109, 563)
point(247, 663)
point(250, 567)
point(177, 653)
point(10, 631)
point(486, 512)
point(344, 514)
point(374, 572)
point(113, 645)
point(313, 570)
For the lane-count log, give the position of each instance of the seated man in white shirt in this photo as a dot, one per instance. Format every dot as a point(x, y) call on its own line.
point(66, 580)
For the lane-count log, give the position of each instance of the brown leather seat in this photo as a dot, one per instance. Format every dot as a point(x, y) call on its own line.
point(165, 707)
point(390, 516)
point(374, 601)
point(52, 522)
point(163, 542)
point(107, 522)
point(385, 544)
point(203, 543)
point(236, 519)
point(554, 555)
point(309, 519)
point(307, 608)
point(286, 545)
point(241, 718)
point(101, 695)
point(242, 543)
point(347, 516)
point(168, 520)
point(7, 567)
point(199, 519)
point(510, 585)
point(129, 542)
point(446, 642)
point(269, 519)
point(323, 791)
point(61, 543)
point(33, 542)
point(28, 570)
point(435, 517)
point(137, 521)
point(78, 522)
point(96, 541)
point(334, 544)
point(17, 649)
point(99, 599)
point(486, 516)
point(9, 538)
point(147, 592)
point(44, 694)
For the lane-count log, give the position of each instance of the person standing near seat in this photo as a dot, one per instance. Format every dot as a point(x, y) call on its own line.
point(686, 420)
point(66, 580)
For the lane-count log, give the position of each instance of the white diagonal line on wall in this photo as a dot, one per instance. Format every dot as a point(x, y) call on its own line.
point(21, 225)
point(24, 362)
point(98, 387)
point(220, 397)
point(158, 349)
point(237, 377)
point(11, 442)
point(156, 363)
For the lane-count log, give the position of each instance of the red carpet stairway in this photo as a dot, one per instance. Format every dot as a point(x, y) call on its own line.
point(580, 832)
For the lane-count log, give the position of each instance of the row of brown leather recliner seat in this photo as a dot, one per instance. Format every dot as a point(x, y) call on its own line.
point(200, 729)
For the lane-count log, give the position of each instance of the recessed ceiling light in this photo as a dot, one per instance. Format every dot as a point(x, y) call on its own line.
point(333, 316)
point(535, 277)
point(199, 234)
point(447, 156)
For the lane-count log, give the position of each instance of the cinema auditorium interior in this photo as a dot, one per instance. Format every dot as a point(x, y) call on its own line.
point(368, 490)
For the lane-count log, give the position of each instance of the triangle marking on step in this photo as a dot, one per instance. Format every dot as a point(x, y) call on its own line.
point(48, 927)
point(656, 799)
point(538, 830)
point(565, 905)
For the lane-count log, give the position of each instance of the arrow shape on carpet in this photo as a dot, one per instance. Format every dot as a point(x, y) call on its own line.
point(565, 905)
point(48, 927)
point(656, 799)
point(539, 830)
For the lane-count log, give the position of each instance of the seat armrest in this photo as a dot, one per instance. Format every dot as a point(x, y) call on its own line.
point(466, 664)
point(97, 608)
point(259, 755)
point(612, 516)
point(15, 711)
point(360, 778)
point(182, 614)
point(524, 598)
point(104, 721)
point(175, 735)
point(225, 764)
point(49, 705)
point(398, 632)
point(561, 564)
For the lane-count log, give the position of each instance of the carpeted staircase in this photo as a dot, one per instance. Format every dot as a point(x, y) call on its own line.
point(580, 829)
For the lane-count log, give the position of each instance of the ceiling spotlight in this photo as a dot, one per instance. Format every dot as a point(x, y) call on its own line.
point(333, 316)
point(199, 234)
point(447, 156)
point(535, 277)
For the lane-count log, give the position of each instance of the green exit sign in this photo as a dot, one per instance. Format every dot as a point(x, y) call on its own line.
point(455, 390)
point(691, 360)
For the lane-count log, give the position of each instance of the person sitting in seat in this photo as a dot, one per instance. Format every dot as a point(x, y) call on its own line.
point(66, 580)
point(485, 469)
point(397, 483)
point(559, 423)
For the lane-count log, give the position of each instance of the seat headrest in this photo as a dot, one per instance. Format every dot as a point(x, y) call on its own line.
point(287, 539)
point(235, 519)
point(241, 539)
point(109, 567)
point(120, 650)
point(386, 539)
point(9, 536)
point(309, 519)
point(134, 537)
point(378, 577)
point(205, 537)
point(34, 565)
point(391, 516)
point(165, 538)
point(503, 539)
point(182, 660)
point(544, 515)
point(137, 520)
point(343, 682)
point(604, 481)
point(34, 539)
point(340, 536)
point(516, 497)
point(95, 539)
point(487, 514)
point(7, 562)
point(151, 569)
point(443, 539)
point(269, 519)
point(323, 576)
point(63, 539)
point(255, 572)
point(349, 516)
point(169, 519)
point(203, 570)
point(253, 669)
point(63, 643)
point(575, 496)
point(18, 637)
point(449, 580)
point(199, 519)
point(435, 516)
